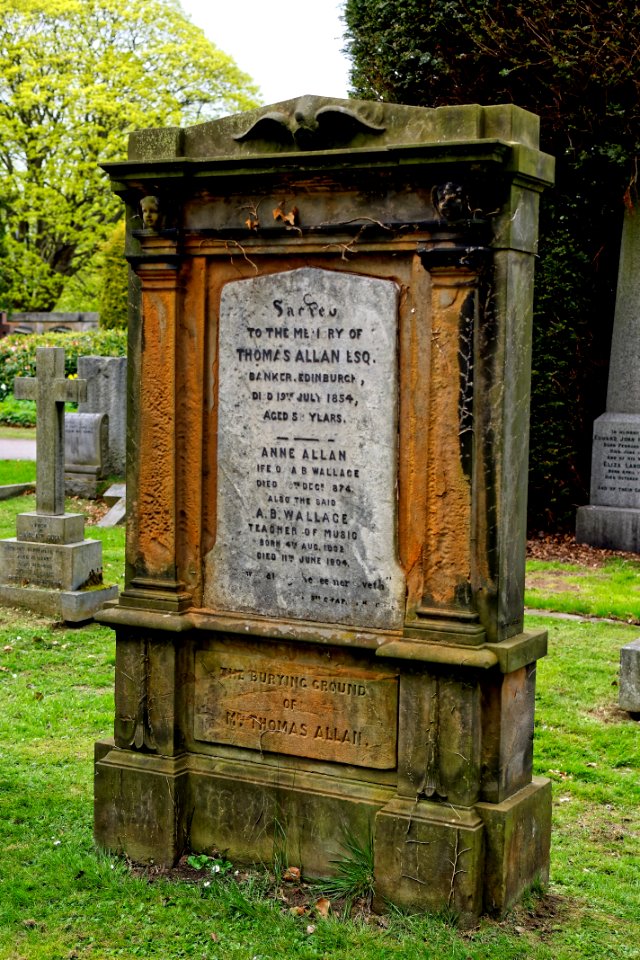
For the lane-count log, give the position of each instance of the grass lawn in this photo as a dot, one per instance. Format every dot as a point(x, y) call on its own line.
point(62, 900)
point(612, 590)
point(17, 433)
point(17, 471)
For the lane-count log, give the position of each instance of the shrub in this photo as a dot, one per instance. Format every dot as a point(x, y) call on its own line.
point(17, 413)
point(18, 352)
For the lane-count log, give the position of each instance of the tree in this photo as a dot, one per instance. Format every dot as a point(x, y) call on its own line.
point(576, 65)
point(75, 77)
point(114, 288)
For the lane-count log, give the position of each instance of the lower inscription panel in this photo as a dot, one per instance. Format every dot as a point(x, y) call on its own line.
point(322, 711)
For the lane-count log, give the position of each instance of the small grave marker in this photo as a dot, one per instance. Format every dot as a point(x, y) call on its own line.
point(86, 451)
point(48, 565)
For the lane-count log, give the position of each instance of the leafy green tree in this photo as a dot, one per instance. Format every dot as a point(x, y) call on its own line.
point(4, 285)
point(114, 289)
point(75, 77)
point(576, 64)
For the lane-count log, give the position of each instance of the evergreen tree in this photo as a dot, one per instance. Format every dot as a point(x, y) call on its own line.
point(576, 65)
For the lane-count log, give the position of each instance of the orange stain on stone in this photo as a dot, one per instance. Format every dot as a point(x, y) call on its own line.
point(448, 534)
point(156, 486)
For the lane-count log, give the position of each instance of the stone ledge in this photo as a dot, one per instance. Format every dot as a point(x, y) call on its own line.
point(509, 655)
point(9, 490)
point(72, 606)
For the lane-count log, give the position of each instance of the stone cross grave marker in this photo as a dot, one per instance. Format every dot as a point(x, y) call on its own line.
point(51, 391)
point(48, 565)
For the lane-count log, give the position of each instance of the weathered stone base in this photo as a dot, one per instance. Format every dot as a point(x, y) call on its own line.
point(517, 843)
point(81, 485)
point(259, 815)
point(613, 528)
point(55, 566)
point(253, 812)
point(428, 856)
point(432, 856)
point(72, 606)
point(139, 806)
point(629, 689)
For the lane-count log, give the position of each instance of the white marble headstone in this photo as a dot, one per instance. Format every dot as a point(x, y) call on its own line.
point(307, 450)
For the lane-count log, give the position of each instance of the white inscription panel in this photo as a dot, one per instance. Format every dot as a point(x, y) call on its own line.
point(615, 469)
point(307, 450)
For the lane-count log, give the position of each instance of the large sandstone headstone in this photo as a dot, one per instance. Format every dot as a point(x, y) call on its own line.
point(322, 624)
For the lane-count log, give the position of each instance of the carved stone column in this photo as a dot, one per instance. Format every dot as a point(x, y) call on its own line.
point(455, 266)
point(152, 544)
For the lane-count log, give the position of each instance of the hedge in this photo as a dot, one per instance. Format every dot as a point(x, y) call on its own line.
point(18, 352)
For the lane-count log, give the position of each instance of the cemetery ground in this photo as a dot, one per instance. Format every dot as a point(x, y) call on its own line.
point(60, 899)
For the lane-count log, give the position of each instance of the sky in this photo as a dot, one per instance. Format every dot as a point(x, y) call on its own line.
point(288, 47)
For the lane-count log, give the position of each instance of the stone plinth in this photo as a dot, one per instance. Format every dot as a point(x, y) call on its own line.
point(67, 566)
point(612, 519)
point(322, 624)
point(51, 575)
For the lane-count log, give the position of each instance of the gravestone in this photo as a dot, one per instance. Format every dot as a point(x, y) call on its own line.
point(86, 447)
point(322, 626)
point(107, 393)
point(612, 519)
point(49, 566)
point(629, 689)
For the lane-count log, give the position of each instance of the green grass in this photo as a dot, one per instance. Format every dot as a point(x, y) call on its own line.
point(17, 433)
point(17, 471)
point(354, 872)
point(60, 899)
point(612, 590)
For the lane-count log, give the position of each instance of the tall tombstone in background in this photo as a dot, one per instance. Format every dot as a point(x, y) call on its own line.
point(612, 519)
point(322, 625)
